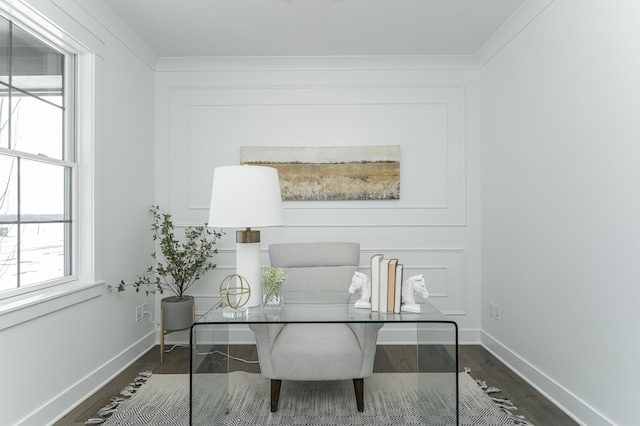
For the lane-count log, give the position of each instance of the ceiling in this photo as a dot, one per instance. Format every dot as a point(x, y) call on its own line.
point(197, 28)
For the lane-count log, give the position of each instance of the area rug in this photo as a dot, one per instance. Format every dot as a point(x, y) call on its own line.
point(390, 399)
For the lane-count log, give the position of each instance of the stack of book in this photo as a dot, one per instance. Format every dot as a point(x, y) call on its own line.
point(386, 284)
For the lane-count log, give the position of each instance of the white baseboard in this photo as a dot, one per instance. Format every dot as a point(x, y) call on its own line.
point(71, 397)
point(68, 399)
point(564, 399)
point(572, 405)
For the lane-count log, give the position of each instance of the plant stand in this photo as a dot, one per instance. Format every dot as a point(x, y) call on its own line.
point(164, 332)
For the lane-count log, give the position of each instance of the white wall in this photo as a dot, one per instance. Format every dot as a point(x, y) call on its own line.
point(207, 109)
point(51, 362)
point(559, 161)
point(560, 206)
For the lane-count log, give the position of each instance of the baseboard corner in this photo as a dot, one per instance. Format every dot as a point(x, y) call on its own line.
point(57, 407)
point(560, 396)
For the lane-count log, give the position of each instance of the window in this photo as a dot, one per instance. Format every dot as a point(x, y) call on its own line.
point(37, 162)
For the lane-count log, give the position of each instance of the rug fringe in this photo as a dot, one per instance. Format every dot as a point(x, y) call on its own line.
point(127, 393)
point(505, 404)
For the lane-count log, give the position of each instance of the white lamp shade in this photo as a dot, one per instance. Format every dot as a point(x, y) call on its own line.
point(245, 197)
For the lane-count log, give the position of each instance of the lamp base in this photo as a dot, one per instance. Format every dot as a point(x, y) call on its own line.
point(248, 265)
point(247, 236)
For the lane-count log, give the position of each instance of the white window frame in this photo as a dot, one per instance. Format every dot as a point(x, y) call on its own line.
point(69, 161)
point(84, 283)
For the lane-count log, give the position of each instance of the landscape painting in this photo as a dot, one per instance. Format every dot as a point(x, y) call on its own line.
point(331, 173)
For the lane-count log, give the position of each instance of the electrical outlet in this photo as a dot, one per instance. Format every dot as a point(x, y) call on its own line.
point(139, 313)
point(494, 310)
point(144, 309)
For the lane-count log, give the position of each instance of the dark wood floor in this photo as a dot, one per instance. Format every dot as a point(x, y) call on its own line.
point(483, 365)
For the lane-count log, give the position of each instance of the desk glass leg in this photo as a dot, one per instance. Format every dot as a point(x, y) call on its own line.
point(209, 374)
point(437, 368)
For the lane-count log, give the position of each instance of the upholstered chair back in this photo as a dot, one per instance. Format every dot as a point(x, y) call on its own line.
point(316, 266)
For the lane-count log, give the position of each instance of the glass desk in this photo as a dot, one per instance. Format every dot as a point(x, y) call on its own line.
point(213, 335)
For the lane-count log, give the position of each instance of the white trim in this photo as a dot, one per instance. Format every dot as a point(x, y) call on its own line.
point(526, 14)
point(109, 22)
point(450, 99)
point(317, 63)
point(18, 308)
point(88, 84)
point(520, 20)
point(74, 395)
point(37, 21)
point(563, 398)
point(26, 307)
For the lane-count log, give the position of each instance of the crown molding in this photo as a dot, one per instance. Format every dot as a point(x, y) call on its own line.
point(525, 15)
point(315, 63)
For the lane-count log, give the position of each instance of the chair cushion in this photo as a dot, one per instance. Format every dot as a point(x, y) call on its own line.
point(300, 255)
point(319, 278)
point(316, 266)
point(316, 352)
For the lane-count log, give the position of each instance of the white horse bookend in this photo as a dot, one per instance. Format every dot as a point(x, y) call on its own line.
point(361, 282)
point(411, 286)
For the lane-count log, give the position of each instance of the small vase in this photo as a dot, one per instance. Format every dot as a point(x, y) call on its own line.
point(272, 299)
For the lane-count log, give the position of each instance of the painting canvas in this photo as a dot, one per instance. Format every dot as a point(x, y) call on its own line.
point(331, 173)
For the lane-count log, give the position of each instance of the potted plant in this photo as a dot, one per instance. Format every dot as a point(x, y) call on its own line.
point(182, 264)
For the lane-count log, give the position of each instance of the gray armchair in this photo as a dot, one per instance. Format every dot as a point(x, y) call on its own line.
point(316, 352)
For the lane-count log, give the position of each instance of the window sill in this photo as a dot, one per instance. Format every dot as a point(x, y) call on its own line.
point(19, 309)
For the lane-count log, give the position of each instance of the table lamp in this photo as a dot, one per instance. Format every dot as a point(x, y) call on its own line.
point(246, 197)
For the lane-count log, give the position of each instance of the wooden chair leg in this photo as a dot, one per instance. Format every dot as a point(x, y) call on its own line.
point(275, 394)
point(358, 385)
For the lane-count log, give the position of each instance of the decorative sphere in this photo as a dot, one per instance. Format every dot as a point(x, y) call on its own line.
point(235, 287)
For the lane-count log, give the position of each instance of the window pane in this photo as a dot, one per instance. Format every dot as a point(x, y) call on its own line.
point(42, 191)
point(41, 253)
point(4, 51)
point(36, 126)
point(8, 257)
point(35, 67)
point(8, 189)
point(35, 196)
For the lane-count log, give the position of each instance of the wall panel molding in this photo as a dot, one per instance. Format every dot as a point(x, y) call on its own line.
point(209, 124)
